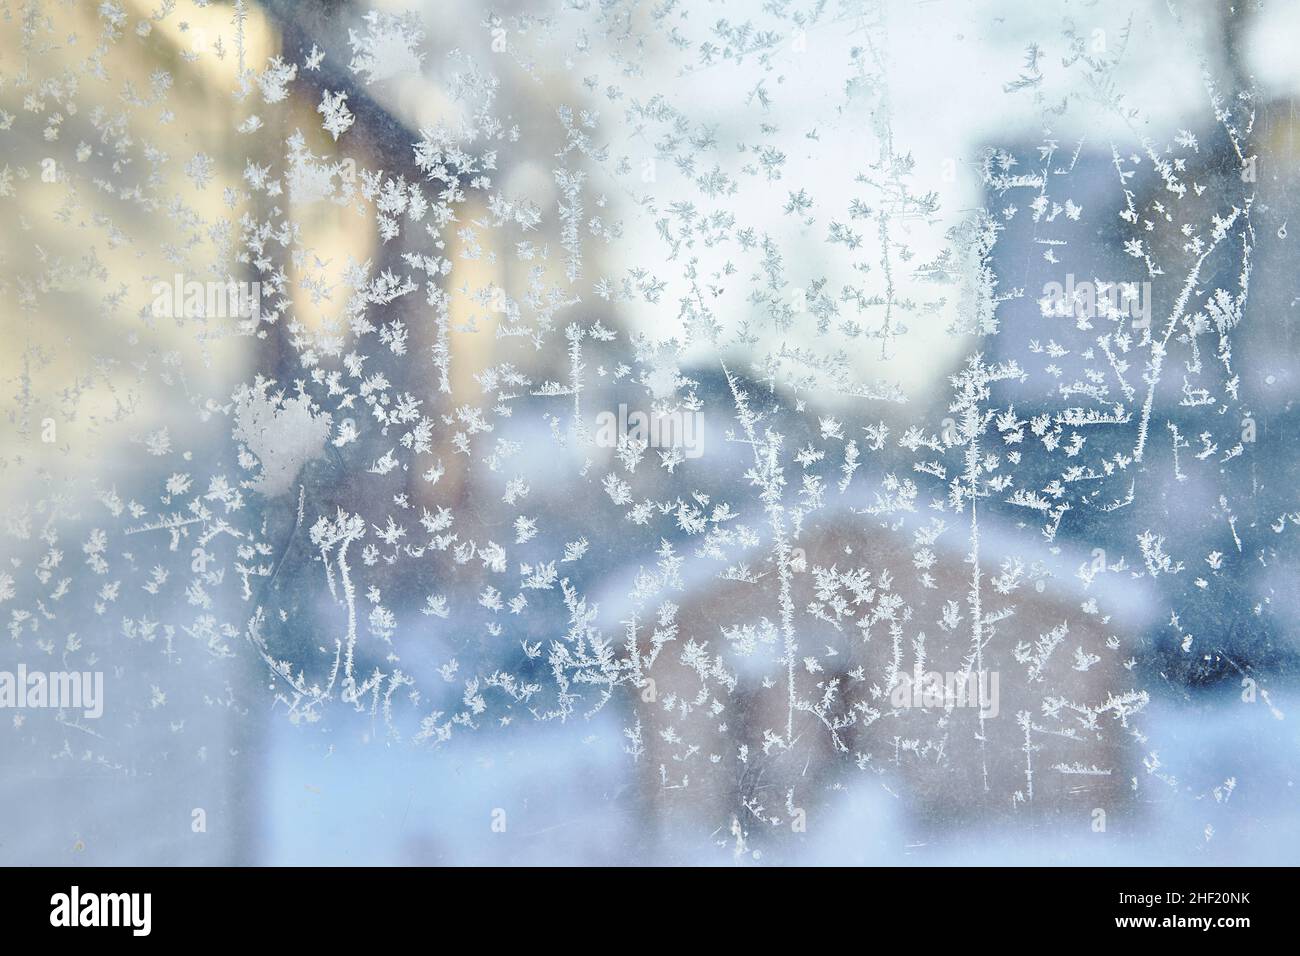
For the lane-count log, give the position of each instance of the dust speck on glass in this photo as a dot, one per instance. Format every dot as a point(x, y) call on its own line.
point(815, 431)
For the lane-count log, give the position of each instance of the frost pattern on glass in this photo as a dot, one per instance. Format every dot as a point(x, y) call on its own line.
point(661, 371)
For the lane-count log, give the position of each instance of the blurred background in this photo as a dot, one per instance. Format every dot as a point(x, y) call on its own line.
point(139, 141)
